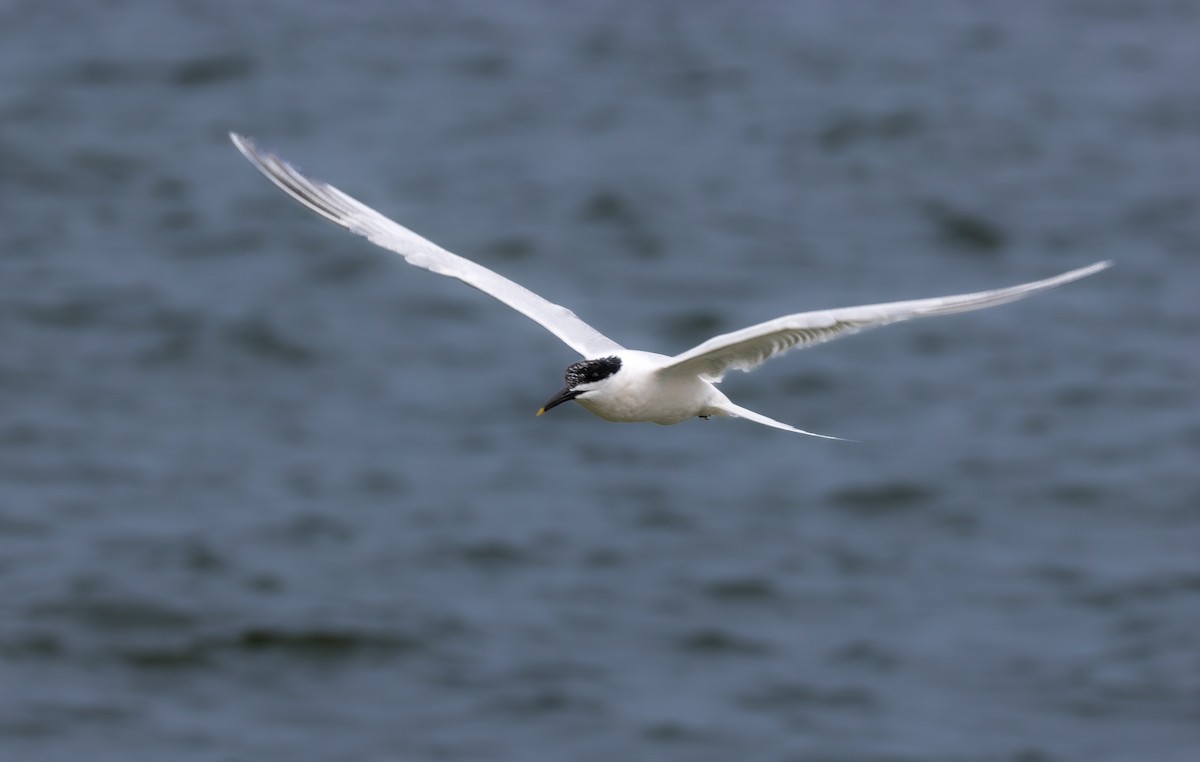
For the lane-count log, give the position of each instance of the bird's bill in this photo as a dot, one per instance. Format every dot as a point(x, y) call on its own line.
point(566, 395)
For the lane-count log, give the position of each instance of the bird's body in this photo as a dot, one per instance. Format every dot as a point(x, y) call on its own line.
point(628, 385)
point(639, 391)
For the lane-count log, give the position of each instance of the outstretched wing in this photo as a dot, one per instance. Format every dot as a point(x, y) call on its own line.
point(336, 206)
point(750, 347)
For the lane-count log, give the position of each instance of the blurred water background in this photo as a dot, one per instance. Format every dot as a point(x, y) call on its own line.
point(268, 493)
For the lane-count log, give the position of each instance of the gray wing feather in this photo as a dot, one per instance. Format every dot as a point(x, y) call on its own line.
point(750, 347)
point(338, 207)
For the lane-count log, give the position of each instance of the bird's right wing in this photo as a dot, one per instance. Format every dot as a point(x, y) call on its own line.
point(336, 206)
point(750, 347)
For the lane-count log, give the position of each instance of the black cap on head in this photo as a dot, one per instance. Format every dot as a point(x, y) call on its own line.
point(591, 371)
point(583, 372)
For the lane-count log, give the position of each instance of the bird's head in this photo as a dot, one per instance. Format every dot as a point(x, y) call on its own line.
point(584, 378)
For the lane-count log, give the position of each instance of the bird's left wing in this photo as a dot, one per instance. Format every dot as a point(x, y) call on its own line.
point(750, 347)
point(357, 217)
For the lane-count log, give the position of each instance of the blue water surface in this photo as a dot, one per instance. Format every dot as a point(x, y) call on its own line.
point(269, 493)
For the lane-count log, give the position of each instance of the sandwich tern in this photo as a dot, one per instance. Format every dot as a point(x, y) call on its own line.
point(628, 385)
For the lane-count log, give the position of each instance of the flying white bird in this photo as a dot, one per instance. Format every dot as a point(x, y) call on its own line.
point(612, 382)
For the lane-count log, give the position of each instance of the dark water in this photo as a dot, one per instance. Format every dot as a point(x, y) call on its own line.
point(268, 493)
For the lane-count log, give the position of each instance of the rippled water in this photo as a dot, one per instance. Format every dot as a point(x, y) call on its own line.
point(266, 492)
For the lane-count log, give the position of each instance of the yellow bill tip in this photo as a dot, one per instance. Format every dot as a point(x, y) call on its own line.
point(541, 410)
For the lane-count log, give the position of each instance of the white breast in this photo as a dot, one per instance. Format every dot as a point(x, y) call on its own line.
point(638, 393)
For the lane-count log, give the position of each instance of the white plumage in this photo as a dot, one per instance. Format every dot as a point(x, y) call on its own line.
point(613, 382)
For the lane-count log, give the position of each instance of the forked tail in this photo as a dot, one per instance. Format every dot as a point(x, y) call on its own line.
point(736, 411)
